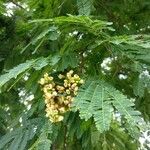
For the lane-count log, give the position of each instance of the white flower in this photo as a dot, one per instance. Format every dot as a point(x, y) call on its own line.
point(34, 129)
point(75, 32)
point(122, 76)
point(29, 107)
point(31, 97)
point(20, 119)
point(26, 78)
point(22, 93)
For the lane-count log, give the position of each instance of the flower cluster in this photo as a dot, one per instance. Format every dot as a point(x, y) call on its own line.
point(58, 97)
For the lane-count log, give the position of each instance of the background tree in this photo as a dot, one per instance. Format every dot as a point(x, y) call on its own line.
point(105, 42)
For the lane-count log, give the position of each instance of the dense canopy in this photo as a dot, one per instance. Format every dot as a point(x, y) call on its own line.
point(75, 74)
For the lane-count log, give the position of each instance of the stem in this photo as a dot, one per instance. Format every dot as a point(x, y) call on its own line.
point(65, 138)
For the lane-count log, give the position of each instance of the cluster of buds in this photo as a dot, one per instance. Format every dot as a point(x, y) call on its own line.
point(58, 98)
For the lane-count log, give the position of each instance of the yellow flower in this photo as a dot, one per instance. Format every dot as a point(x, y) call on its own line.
point(58, 98)
point(42, 81)
point(81, 81)
point(60, 76)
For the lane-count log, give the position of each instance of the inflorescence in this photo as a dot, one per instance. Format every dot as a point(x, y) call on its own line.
point(58, 98)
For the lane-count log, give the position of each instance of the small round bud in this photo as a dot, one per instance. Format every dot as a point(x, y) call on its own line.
point(69, 105)
point(69, 98)
point(54, 93)
point(81, 81)
point(49, 86)
point(62, 110)
point(42, 81)
point(50, 78)
point(46, 100)
point(66, 102)
point(68, 91)
point(68, 75)
point(76, 89)
point(60, 118)
point(75, 93)
point(76, 77)
point(46, 75)
point(71, 71)
point(65, 84)
point(69, 84)
point(73, 85)
point(72, 80)
point(60, 76)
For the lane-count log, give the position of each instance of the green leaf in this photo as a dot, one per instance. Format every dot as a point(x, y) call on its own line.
point(84, 6)
point(80, 23)
point(16, 142)
point(43, 142)
point(40, 63)
point(13, 73)
point(37, 64)
point(134, 47)
point(53, 35)
point(44, 33)
point(97, 98)
point(138, 87)
point(24, 141)
point(135, 40)
point(67, 60)
point(10, 136)
point(44, 145)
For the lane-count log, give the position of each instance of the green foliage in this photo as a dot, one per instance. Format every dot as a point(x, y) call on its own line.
point(99, 99)
point(84, 7)
point(13, 73)
point(20, 136)
point(43, 143)
point(107, 43)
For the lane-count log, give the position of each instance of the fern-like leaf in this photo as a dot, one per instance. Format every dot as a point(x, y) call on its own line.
point(97, 98)
point(84, 7)
point(134, 47)
point(13, 73)
point(43, 142)
point(37, 64)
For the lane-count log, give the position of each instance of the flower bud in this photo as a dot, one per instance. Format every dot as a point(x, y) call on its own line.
point(81, 81)
point(69, 98)
point(42, 81)
point(71, 72)
point(68, 91)
point(57, 104)
point(60, 118)
point(73, 85)
point(65, 84)
point(50, 78)
point(75, 93)
point(50, 86)
point(76, 77)
point(76, 89)
point(68, 75)
point(60, 76)
point(54, 93)
point(46, 75)
point(48, 95)
point(66, 102)
point(62, 110)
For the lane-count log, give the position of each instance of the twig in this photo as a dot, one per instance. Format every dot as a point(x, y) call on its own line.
point(18, 5)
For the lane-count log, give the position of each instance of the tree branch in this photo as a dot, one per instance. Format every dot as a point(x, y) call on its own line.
point(18, 5)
